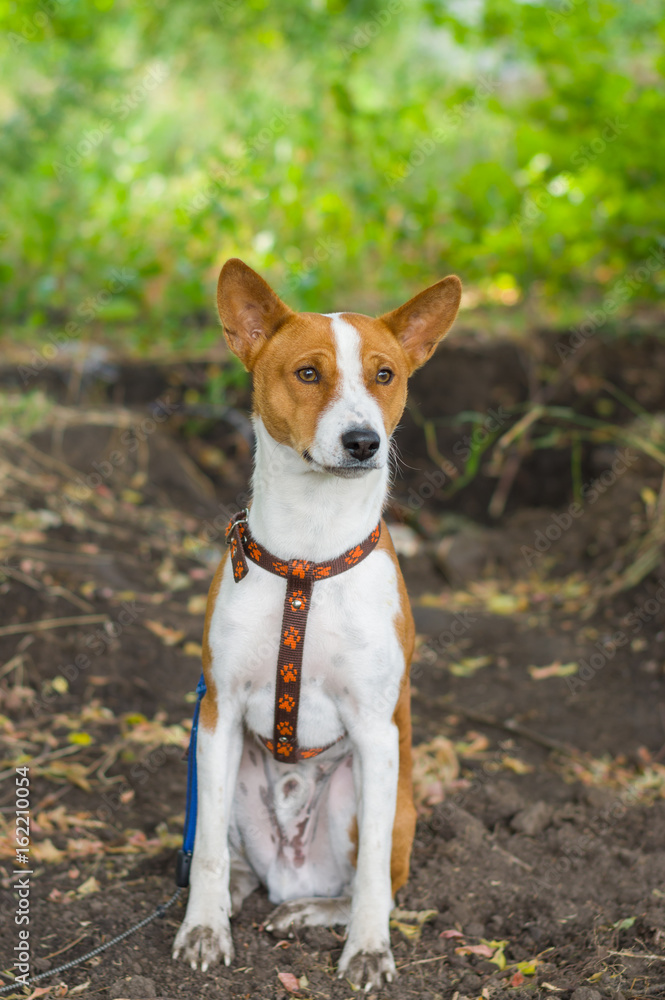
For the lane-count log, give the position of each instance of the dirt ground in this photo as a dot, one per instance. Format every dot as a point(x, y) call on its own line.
point(538, 684)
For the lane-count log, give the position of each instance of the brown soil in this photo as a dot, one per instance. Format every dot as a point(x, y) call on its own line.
point(550, 840)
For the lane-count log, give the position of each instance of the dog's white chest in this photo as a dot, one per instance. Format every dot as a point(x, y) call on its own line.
point(351, 654)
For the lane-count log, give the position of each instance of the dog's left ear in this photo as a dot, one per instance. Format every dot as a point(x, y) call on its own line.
point(249, 310)
point(424, 320)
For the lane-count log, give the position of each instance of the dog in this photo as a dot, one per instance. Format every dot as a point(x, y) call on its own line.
point(304, 743)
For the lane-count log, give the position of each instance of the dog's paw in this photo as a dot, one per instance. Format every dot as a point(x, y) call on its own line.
point(202, 945)
point(308, 912)
point(365, 967)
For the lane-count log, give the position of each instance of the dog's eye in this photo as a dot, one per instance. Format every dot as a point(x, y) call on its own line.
point(384, 376)
point(308, 374)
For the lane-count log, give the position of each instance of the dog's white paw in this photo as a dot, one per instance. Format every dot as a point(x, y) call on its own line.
point(203, 945)
point(366, 967)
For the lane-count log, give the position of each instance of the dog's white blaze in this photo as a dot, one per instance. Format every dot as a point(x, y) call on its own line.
point(353, 406)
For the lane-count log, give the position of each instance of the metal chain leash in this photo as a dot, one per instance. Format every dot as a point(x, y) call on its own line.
point(159, 912)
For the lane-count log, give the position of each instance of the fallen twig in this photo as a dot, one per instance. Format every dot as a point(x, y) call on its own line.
point(16, 661)
point(42, 759)
point(512, 857)
point(54, 588)
point(634, 954)
point(513, 727)
point(423, 961)
point(46, 624)
point(68, 946)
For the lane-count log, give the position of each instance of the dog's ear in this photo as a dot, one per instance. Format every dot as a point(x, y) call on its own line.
point(249, 310)
point(424, 320)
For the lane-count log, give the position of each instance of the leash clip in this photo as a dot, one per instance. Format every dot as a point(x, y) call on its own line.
point(183, 868)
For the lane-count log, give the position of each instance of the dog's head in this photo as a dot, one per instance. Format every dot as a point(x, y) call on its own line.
point(332, 387)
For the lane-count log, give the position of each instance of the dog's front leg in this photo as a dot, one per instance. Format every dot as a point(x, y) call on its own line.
point(205, 935)
point(367, 956)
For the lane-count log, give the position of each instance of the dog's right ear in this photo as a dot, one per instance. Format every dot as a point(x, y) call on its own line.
point(425, 319)
point(249, 310)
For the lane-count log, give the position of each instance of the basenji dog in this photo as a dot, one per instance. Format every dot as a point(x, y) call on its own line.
point(304, 743)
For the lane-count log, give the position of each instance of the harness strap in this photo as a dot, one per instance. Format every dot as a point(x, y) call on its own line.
point(301, 577)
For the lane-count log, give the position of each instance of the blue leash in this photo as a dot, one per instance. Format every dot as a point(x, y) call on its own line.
point(184, 861)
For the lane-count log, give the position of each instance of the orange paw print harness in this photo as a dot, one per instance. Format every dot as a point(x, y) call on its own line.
point(300, 577)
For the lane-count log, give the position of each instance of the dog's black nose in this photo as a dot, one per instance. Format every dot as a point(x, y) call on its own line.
point(361, 443)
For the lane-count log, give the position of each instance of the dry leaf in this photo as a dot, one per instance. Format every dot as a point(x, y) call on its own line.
point(83, 848)
point(81, 739)
point(410, 922)
point(88, 887)
point(473, 745)
point(483, 950)
point(75, 774)
point(556, 669)
point(468, 666)
point(506, 604)
point(528, 968)
point(430, 601)
point(169, 636)
point(80, 989)
point(45, 850)
point(515, 765)
point(131, 496)
point(498, 956)
point(196, 605)
point(289, 982)
point(435, 767)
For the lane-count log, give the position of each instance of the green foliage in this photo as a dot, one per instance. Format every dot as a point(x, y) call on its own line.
point(350, 151)
point(24, 412)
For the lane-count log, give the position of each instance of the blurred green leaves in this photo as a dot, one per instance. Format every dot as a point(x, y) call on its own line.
point(351, 151)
